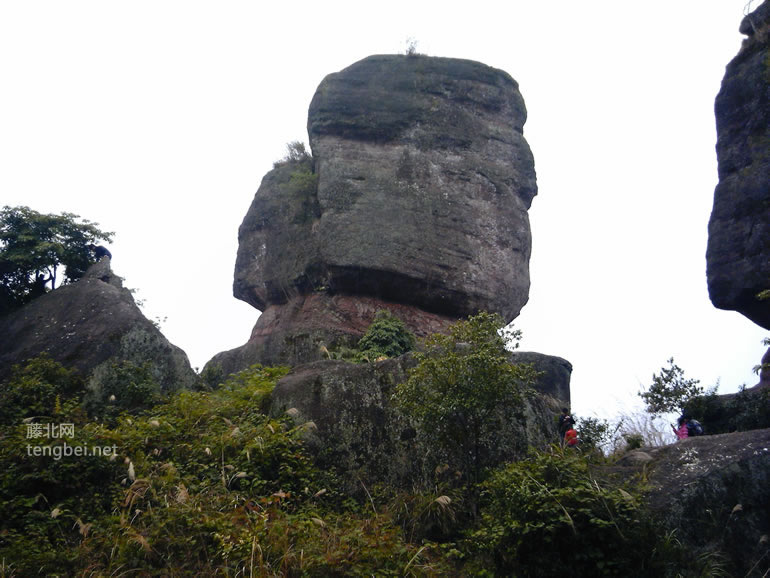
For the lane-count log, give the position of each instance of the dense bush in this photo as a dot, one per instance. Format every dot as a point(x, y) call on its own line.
point(548, 513)
point(387, 336)
point(38, 388)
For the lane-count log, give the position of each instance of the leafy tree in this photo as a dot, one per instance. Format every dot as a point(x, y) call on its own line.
point(670, 390)
point(462, 392)
point(387, 336)
point(34, 247)
point(596, 434)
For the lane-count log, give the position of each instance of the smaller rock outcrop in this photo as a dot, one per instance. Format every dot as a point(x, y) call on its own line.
point(555, 373)
point(357, 429)
point(738, 254)
point(88, 325)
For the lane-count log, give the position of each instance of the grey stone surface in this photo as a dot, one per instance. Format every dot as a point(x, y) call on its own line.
point(738, 254)
point(358, 431)
point(415, 198)
point(714, 491)
point(89, 324)
point(555, 373)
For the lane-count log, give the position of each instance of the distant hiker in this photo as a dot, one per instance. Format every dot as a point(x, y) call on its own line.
point(100, 252)
point(38, 286)
point(681, 428)
point(565, 422)
point(571, 437)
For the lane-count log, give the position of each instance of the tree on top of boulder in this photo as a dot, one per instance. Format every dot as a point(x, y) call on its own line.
point(670, 390)
point(35, 246)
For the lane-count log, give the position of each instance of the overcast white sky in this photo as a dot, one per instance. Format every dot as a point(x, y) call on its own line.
point(158, 119)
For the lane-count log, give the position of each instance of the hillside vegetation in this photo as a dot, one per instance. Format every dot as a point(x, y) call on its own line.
point(207, 483)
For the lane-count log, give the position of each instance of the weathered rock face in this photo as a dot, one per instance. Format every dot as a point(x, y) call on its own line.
point(714, 491)
point(555, 373)
point(423, 160)
point(738, 255)
point(300, 330)
point(87, 326)
point(416, 196)
point(353, 426)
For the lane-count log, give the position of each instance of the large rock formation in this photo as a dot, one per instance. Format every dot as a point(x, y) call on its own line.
point(738, 255)
point(415, 200)
point(89, 325)
point(714, 493)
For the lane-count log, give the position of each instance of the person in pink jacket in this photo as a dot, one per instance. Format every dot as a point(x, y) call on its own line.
point(681, 428)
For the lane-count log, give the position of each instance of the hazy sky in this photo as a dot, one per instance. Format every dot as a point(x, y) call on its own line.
point(158, 119)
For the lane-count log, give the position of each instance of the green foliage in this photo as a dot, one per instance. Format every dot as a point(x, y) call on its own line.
point(459, 392)
point(595, 434)
point(387, 336)
point(298, 183)
point(207, 484)
point(124, 386)
point(33, 247)
point(633, 441)
point(548, 515)
point(670, 390)
point(296, 152)
point(211, 375)
point(39, 388)
point(742, 411)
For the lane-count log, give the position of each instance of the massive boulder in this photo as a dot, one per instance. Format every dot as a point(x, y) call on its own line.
point(89, 325)
point(738, 254)
point(415, 200)
point(714, 493)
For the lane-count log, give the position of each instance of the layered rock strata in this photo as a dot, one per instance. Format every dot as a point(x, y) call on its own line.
point(738, 254)
point(415, 200)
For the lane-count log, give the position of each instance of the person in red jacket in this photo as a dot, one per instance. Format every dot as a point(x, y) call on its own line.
point(571, 437)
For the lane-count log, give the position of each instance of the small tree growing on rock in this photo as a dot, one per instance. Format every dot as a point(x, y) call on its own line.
point(464, 391)
point(670, 390)
point(34, 247)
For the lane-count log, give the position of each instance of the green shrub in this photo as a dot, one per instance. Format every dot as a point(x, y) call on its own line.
point(464, 391)
point(38, 388)
point(548, 513)
point(387, 336)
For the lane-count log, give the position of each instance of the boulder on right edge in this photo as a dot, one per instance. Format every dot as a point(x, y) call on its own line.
point(738, 254)
point(714, 493)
